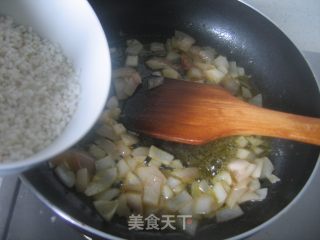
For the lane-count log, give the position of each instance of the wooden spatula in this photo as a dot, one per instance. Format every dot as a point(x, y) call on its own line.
point(193, 113)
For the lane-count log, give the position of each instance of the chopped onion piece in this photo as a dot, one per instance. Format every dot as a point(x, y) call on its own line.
point(227, 214)
point(221, 62)
point(170, 73)
point(134, 47)
point(233, 70)
point(242, 153)
point(123, 209)
point(82, 179)
point(154, 162)
point(203, 185)
point(119, 128)
point(108, 194)
point(173, 182)
point(257, 150)
point(194, 73)
point(204, 66)
point(242, 141)
point(132, 61)
point(214, 75)
point(135, 161)
point(219, 192)
point(249, 196)
point(262, 193)
point(134, 201)
point(177, 202)
point(254, 185)
point(259, 165)
point(241, 169)
point(123, 168)
point(155, 81)
point(186, 175)
point(157, 63)
point(113, 102)
point(234, 196)
point(187, 208)
point(108, 132)
point(132, 183)
point(267, 168)
point(173, 56)
point(176, 164)
point(123, 149)
point(101, 181)
point(273, 178)
point(129, 139)
point(223, 176)
point(161, 155)
point(167, 192)
point(203, 205)
point(256, 100)
point(140, 151)
point(106, 208)
point(246, 92)
point(65, 175)
point(232, 85)
point(96, 152)
point(108, 146)
point(182, 41)
point(150, 174)
point(152, 192)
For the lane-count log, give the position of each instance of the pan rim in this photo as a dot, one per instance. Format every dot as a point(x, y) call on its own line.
point(243, 235)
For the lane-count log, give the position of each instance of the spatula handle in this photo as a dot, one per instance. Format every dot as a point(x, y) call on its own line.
point(283, 125)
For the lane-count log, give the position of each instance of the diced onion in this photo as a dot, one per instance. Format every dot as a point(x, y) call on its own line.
point(123, 149)
point(242, 141)
point(177, 202)
point(132, 183)
point(157, 64)
point(123, 209)
point(96, 152)
point(113, 102)
point(249, 196)
point(246, 92)
point(106, 208)
point(186, 175)
point(214, 75)
point(273, 178)
point(182, 41)
point(134, 201)
point(223, 176)
point(262, 193)
point(134, 47)
point(267, 168)
point(129, 139)
point(254, 185)
point(242, 153)
point(119, 128)
point(256, 100)
point(221, 62)
point(234, 196)
point(65, 175)
point(203, 185)
point(161, 155)
point(82, 179)
point(173, 56)
point(108, 132)
point(132, 61)
point(227, 214)
point(219, 192)
point(123, 168)
point(108, 194)
point(203, 205)
point(170, 73)
point(167, 192)
point(140, 151)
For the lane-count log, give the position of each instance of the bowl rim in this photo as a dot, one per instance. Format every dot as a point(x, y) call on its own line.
point(7, 168)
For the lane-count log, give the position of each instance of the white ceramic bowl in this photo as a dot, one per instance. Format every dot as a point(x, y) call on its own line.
point(75, 27)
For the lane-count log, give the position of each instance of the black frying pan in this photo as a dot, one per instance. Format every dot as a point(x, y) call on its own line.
point(278, 70)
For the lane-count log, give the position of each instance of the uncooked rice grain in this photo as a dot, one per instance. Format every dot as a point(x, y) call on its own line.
point(39, 91)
